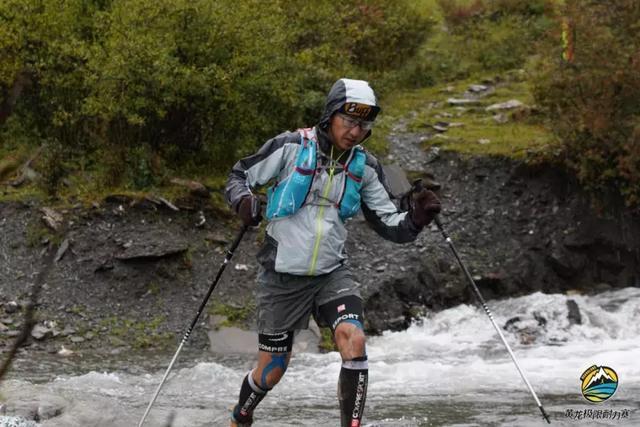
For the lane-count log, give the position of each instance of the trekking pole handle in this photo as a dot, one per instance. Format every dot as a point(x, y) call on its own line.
point(255, 207)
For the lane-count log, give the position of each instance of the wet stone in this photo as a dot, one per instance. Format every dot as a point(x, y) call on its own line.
point(40, 332)
point(48, 411)
point(574, 316)
point(11, 307)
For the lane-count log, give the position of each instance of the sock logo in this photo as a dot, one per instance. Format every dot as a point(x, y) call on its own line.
point(360, 392)
point(248, 405)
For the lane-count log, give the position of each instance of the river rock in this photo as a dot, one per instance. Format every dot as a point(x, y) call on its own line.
point(500, 118)
point(565, 263)
point(196, 188)
point(154, 247)
point(41, 332)
point(217, 237)
point(476, 88)
point(440, 126)
point(508, 105)
point(48, 410)
point(51, 218)
point(26, 409)
point(62, 250)
point(574, 316)
point(11, 307)
point(65, 352)
point(462, 101)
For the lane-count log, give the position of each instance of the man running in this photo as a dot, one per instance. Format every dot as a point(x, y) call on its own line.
point(319, 178)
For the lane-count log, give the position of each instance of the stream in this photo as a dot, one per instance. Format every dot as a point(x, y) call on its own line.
point(448, 369)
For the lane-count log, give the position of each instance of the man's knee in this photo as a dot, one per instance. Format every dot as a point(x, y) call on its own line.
point(271, 369)
point(350, 340)
point(273, 359)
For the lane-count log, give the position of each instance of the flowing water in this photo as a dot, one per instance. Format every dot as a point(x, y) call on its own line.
point(448, 369)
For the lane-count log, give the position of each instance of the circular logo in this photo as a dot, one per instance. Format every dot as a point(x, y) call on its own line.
point(599, 383)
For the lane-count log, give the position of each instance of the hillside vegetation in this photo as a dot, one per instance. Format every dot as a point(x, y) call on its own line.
point(123, 95)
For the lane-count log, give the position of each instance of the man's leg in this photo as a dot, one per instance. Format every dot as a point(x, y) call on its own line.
point(273, 359)
point(344, 315)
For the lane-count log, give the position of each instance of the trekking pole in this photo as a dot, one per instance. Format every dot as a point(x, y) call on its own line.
point(228, 256)
point(483, 303)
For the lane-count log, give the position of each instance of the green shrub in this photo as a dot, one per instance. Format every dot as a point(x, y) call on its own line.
point(197, 83)
point(486, 36)
point(592, 102)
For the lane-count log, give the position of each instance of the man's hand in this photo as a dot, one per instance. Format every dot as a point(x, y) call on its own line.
point(424, 207)
point(249, 210)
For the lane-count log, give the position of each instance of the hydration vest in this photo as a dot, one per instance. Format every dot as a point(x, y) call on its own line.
point(284, 198)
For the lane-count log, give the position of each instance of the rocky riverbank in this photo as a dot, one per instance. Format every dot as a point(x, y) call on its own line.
point(130, 274)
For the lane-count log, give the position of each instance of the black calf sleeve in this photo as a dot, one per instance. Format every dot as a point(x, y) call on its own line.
point(352, 390)
point(250, 396)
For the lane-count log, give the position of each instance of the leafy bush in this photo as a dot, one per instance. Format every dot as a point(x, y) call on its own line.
point(195, 83)
point(484, 36)
point(592, 102)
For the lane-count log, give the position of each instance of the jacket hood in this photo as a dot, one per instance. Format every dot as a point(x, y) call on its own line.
point(348, 91)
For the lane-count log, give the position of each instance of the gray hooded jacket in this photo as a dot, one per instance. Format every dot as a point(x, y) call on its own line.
point(311, 241)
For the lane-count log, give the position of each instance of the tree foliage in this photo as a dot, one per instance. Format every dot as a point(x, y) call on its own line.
point(141, 88)
point(592, 101)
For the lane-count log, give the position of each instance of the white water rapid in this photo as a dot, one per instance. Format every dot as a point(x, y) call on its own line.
point(449, 369)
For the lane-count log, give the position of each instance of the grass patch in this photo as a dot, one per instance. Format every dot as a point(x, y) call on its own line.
point(473, 130)
point(234, 316)
point(326, 340)
point(138, 334)
point(395, 108)
point(38, 234)
point(21, 194)
point(514, 140)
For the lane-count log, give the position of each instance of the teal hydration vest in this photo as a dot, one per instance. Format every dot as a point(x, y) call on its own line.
point(284, 198)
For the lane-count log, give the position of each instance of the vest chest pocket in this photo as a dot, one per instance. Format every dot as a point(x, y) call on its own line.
point(288, 195)
point(354, 174)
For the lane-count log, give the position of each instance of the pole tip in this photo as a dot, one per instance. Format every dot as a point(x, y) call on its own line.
point(544, 414)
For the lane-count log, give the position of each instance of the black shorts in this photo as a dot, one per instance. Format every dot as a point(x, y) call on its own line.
point(285, 302)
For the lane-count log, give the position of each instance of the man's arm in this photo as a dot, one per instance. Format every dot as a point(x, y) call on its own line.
point(379, 210)
point(259, 168)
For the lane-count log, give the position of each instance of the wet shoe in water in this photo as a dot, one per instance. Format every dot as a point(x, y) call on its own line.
point(235, 423)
